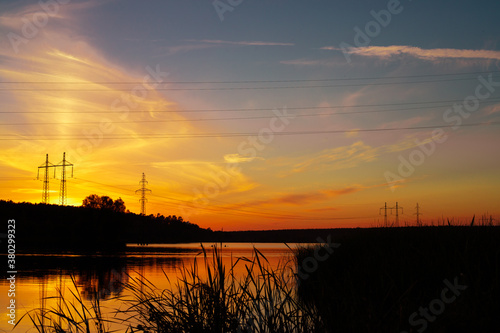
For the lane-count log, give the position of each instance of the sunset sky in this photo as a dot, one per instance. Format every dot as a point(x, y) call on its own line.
point(256, 115)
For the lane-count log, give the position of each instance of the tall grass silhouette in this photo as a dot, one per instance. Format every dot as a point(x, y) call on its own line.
point(262, 299)
point(69, 315)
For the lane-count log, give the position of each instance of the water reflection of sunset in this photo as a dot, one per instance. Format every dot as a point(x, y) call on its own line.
point(155, 263)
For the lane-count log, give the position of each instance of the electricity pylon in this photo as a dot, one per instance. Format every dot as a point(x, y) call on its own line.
point(419, 222)
point(385, 213)
point(143, 190)
point(397, 208)
point(62, 188)
point(46, 166)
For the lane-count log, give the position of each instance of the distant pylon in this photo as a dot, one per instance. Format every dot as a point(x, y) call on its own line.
point(385, 214)
point(46, 166)
point(419, 222)
point(397, 208)
point(62, 188)
point(143, 190)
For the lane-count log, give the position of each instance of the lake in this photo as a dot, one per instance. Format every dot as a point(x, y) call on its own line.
point(41, 276)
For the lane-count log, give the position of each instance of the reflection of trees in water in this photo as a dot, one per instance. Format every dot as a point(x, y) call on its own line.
point(102, 283)
point(106, 279)
point(105, 275)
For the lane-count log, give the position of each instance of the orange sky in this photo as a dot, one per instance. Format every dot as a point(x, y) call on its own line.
point(231, 177)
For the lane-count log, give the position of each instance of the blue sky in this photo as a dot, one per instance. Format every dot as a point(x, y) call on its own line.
point(295, 180)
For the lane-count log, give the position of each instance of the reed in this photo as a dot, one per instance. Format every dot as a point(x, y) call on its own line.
point(69, 315)
point(263, 299)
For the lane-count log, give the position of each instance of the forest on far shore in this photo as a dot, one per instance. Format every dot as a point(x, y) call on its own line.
point(45, 227)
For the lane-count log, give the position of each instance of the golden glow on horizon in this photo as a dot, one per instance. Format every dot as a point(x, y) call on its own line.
point(293, 182)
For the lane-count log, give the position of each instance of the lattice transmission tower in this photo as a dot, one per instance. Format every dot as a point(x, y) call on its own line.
point(46, 166)
point(418, 213)
point(385, 214)
point(397, 208)
point(143, 190)
point(62, 189)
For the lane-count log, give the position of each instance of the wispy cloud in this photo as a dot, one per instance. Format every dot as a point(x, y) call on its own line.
point(241, 43)
point(338, 158)
point(69, 59)
point(417, 52)
point(310, 197)
point(186, 48)
point(196, 174)
point(409, 122)
point(237, 158)
point(15, 15)
point(350, 156)
point(315, 62)
point(491, 109)
point(395, 52)
point(200, 44)
point(298, 199)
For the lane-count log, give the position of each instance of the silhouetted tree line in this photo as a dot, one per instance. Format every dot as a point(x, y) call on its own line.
point(96, 227)
point(104, 202)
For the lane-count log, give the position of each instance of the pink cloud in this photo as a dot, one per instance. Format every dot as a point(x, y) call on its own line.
point(301, 198)
point(417, 52)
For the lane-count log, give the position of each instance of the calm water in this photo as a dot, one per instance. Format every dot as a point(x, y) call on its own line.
point(42, 275)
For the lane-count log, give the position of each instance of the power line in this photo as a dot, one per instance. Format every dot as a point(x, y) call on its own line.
point(250, 88)
point(190, 203)
point(237, 211)
point(255, 81)
point(224, 119)
point(227, 135)
point(209, 119)
point(445, 102)
point(187, 203)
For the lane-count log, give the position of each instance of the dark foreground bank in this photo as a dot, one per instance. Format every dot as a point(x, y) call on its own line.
point(432, 279)
point(427, 279)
